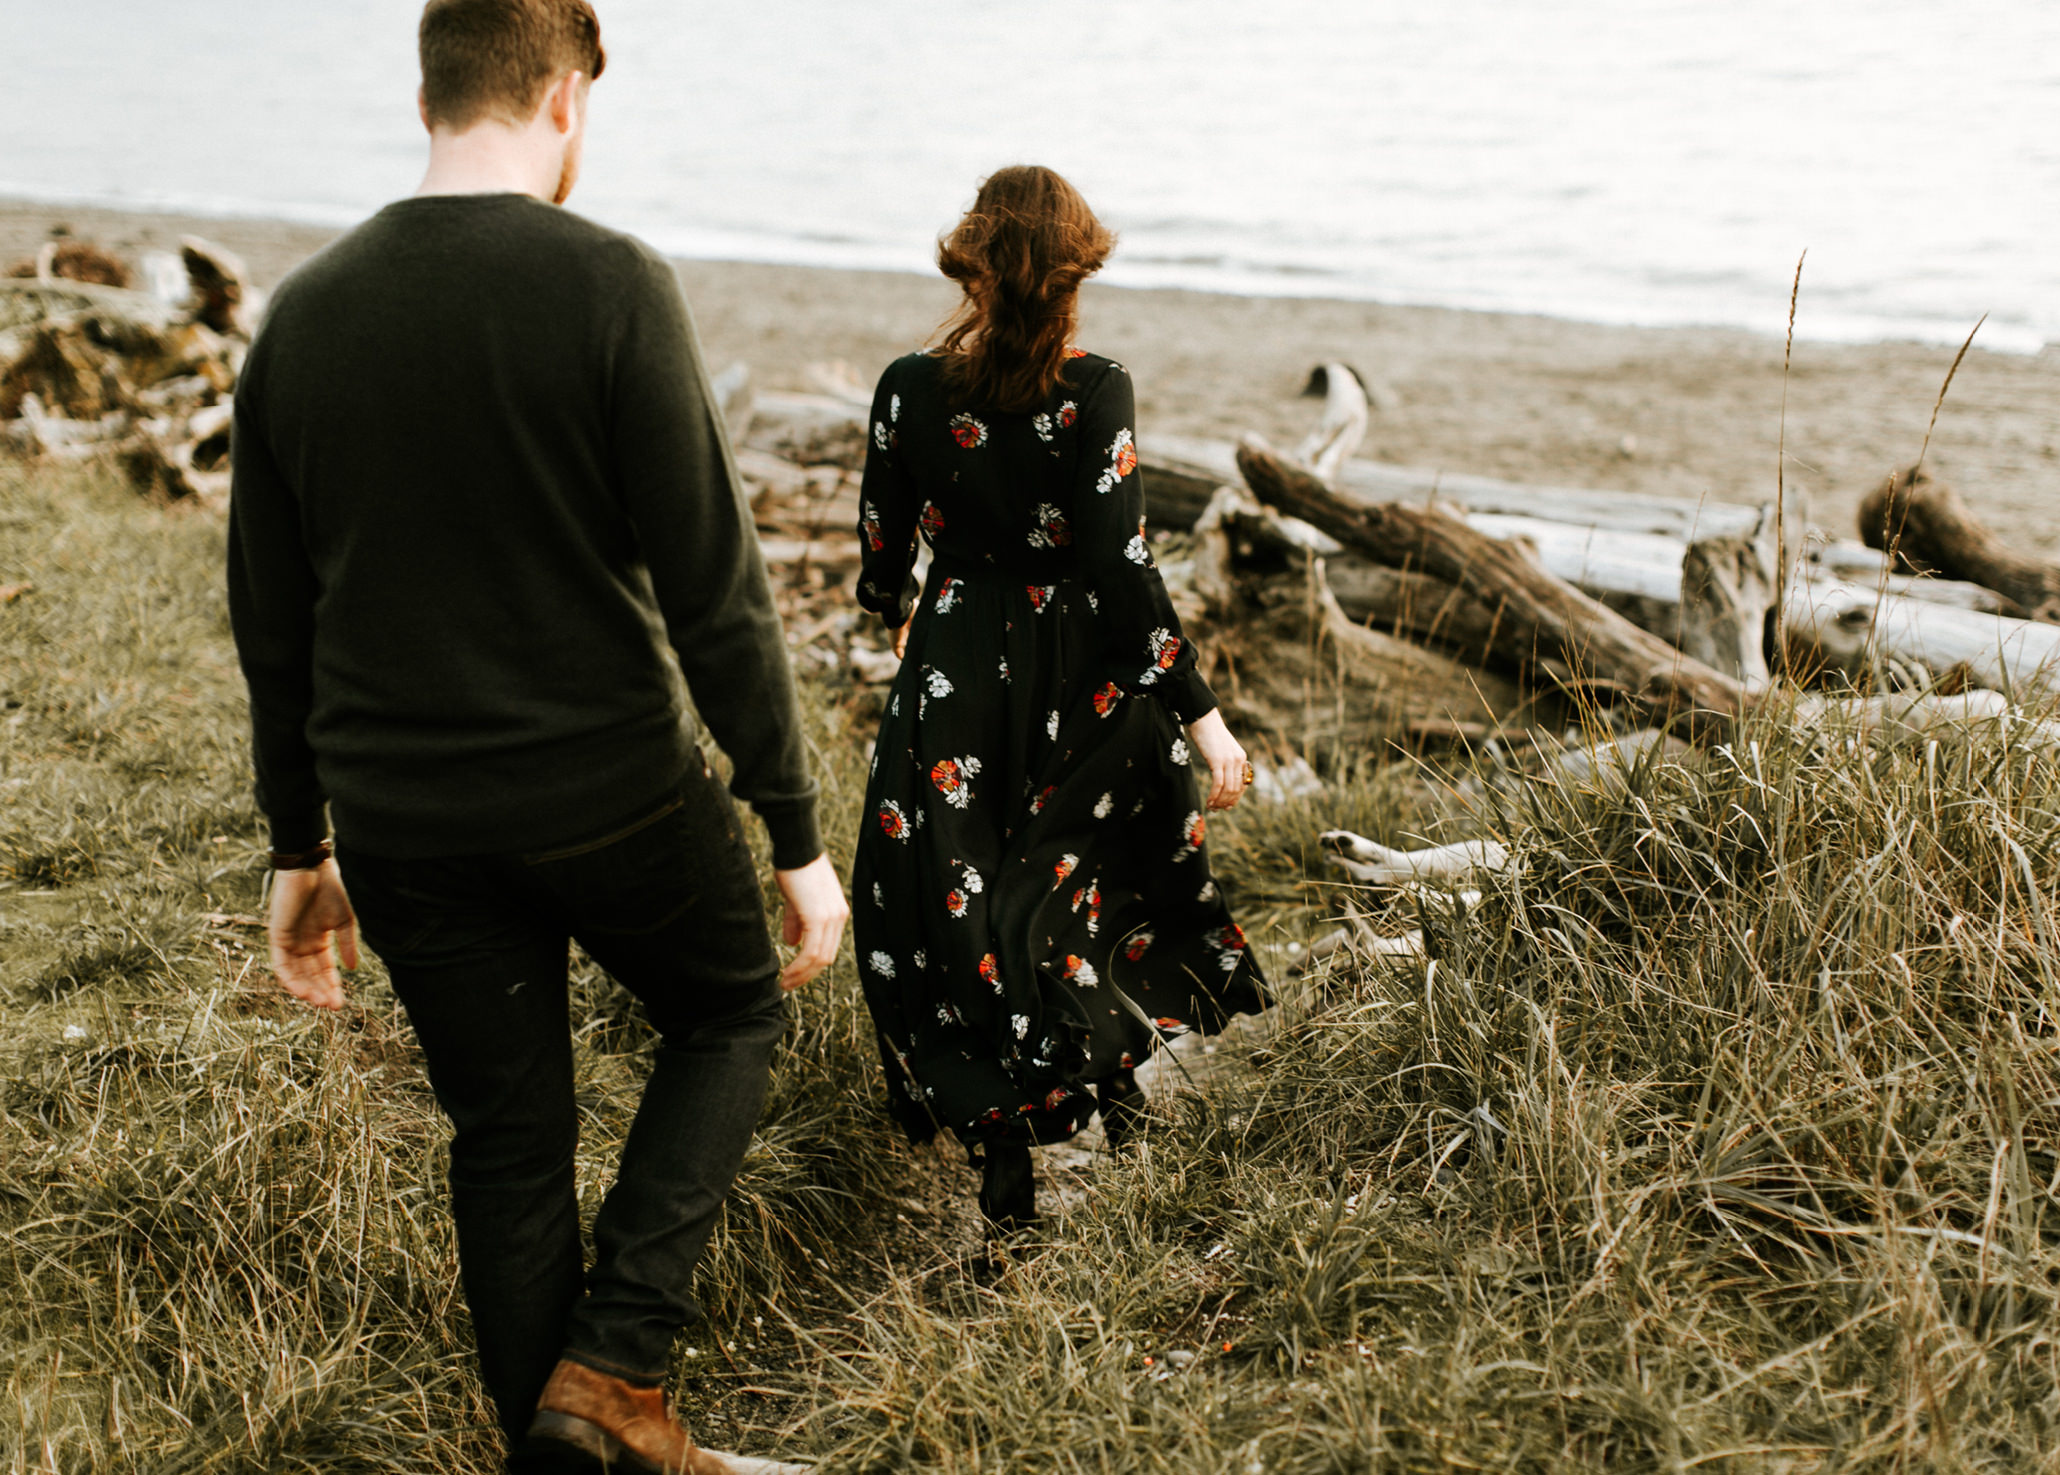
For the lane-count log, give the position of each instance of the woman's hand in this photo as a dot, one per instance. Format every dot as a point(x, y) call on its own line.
point(901, 638)
point(1226, 759)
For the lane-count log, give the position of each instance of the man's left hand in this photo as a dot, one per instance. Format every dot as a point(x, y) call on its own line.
point(312, 923)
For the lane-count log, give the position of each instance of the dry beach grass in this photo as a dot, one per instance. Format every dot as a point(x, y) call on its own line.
point(1723, 1132)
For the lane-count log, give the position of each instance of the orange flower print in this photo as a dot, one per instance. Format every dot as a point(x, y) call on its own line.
point(1076, 353)
point(1138, 946)
point(1064, 869)
point(1165, 649)
point(1192, 829)
point(952, 777)
point(1040, 595)
point(1080, 971)
point(1105, 700)
point(1069, 415)
point(1051, 530)
point(990, 970)
point(955, 903)
point(1056, 1097)
point(968, 432)
point(1122, 461)
point(932, 520)
point(892, 821)
point(869, 524)
point(1044, 798)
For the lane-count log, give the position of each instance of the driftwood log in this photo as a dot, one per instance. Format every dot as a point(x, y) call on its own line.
point(1927, 528)
point(1290, 663)
point(1534, 612)
point(1343, 426)
point(1830, 624)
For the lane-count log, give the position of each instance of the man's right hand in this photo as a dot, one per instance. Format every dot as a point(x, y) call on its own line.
point(814, 919)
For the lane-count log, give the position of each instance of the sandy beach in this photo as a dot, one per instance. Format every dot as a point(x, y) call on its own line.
point(1686, 411)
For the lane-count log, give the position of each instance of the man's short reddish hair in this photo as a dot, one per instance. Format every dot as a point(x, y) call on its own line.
point(497, 58)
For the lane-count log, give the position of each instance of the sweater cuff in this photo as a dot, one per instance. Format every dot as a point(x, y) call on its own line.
point(796, 839)
point(298, 830)
point(1188, 696)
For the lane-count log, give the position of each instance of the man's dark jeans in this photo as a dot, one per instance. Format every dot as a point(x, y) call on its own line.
point(477, 949)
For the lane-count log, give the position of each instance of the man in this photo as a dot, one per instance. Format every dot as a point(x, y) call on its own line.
point(484, 520)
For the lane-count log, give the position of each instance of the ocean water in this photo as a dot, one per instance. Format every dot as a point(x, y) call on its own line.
point(1639, 161)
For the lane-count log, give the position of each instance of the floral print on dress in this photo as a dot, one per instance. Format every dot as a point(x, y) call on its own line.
point(953, 778)
point(1004, 927)
point(1178, 753)
point(1122, 461)
point(1192, 829)
point(1051, 530)
point(1229, 946)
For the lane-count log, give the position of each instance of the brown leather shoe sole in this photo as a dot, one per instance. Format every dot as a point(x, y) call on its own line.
point(570, 1433)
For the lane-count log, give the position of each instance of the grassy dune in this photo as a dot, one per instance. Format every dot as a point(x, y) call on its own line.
point(1723, 1133)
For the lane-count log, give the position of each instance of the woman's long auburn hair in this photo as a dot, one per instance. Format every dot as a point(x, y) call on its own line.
point(1020, 255)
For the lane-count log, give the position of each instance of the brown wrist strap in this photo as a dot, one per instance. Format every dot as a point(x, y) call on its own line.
point(302, 860)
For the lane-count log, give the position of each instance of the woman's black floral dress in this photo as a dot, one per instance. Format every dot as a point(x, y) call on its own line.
point(1032, 903)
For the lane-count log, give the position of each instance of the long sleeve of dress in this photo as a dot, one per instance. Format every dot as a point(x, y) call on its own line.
point(1144, 649)
point(887, 515)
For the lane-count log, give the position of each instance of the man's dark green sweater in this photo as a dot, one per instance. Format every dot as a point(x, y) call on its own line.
point(484, 518)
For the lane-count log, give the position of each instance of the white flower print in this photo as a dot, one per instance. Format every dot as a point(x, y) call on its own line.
point(1051, 726)
point(1191, 831)
point(1020, 1023)
point(894, 820)
point(947, 596)
point(974, 883)
point(1094, 601)
point(922, 960)
point(970, 433)
point(1068, 413)
point(1082, 972)
point(882, 964)
point(1122, 461)
point(1137, 553)
point(1004, 668)
point(894, 409)
point(879, 896)
point(880, 434)
point(938, 683)
point(1051, 530)
point(1179, 754)
point(1207, 893)
point(953, 778)
point(1103, 805)
point(1041, 423)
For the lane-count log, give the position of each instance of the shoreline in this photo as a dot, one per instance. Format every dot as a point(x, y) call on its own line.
point(1684, 411)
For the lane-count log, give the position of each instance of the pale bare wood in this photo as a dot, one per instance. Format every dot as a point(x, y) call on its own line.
point(1727, 590)
point(1536, 612)
point(1376, 864)
point(1343, 426)
point(1852, 628)
point(1928, 527)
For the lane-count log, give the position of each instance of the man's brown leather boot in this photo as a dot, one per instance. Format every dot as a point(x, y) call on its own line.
point(625, 1428)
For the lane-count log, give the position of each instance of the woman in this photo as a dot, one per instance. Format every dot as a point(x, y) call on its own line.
point(1033, 909)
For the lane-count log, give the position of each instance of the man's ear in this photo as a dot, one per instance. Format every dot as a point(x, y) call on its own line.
point(563, 101)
